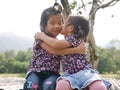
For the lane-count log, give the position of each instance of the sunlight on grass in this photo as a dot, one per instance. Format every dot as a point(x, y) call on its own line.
point(116, 76)
point(21, 75)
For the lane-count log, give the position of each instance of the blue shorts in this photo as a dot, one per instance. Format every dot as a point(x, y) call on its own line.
point(40, 81)
point(83, 78)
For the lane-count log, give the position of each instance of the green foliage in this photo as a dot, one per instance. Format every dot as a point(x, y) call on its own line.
point(106, 62)
point(21, 56)
point(109, 59)
point(109, 75)
point(73, 4)
point(9, 54)
point(15, 63)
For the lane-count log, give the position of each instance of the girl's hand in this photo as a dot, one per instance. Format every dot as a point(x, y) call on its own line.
point(82, 48)
point(38, 35)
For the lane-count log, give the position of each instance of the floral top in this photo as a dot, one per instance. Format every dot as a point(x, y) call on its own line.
point(75, 62)
point(42, 60)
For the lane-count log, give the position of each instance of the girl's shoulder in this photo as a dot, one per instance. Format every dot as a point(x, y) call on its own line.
point(74, 41)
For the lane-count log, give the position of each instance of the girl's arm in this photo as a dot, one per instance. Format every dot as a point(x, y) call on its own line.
point(81, 49)
point(52, 42)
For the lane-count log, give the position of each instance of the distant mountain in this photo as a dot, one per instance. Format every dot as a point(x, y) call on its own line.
point(11, 41)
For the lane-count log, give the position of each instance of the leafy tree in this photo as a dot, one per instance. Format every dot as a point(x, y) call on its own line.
point(7, 61)
point(2, 67)
point(20, 67)
point(9, 54)
point(29, 54)
point(21, 56)
point(109, 58)
point(15, 63)
point(94, 6)
point(106, 61)
point(1, 57)
point(114, 46)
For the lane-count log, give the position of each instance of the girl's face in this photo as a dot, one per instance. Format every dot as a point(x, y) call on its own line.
point(54, 25)
point(67, 28)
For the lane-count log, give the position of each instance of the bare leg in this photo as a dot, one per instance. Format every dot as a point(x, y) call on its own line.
point(97, 85)
point(63, 85)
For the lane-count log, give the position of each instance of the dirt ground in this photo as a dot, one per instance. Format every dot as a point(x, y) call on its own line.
point(17, 83)
point(11, 83)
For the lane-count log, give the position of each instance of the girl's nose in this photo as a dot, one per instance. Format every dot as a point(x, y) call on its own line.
point(56, 25)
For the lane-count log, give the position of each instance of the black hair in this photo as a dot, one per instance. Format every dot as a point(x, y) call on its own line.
point(81, 26)
point(54, 10)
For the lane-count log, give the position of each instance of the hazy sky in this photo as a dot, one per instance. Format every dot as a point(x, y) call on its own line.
point(23, 16)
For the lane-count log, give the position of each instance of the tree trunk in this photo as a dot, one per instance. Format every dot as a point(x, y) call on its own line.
point(93, 50)
point(91, 41)
point(96, 5)
point(66, 10)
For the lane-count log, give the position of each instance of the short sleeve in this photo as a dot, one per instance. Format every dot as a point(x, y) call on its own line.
point(75, 42)
point(37, 43)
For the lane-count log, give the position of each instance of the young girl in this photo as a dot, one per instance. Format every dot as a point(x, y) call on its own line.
point(44, 66)
point(78, 72)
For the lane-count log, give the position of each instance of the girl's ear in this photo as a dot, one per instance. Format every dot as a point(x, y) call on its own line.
point(71, 28)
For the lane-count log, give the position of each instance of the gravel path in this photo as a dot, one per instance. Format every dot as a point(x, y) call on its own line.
point(11, 83)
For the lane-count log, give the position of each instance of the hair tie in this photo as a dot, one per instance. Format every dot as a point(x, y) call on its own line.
point(57, 7)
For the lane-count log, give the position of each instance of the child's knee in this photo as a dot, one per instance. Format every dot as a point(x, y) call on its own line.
point(49, 85)
point(63, 85)
point(97, 85)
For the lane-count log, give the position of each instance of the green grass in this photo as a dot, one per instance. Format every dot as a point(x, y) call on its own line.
point(23, 75)
point(116, 76)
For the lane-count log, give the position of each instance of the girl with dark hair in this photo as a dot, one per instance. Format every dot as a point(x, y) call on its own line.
point(78, 72)
point(44, 66)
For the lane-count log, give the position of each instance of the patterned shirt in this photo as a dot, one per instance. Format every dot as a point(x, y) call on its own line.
point(75, 62)
point(42, 60)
